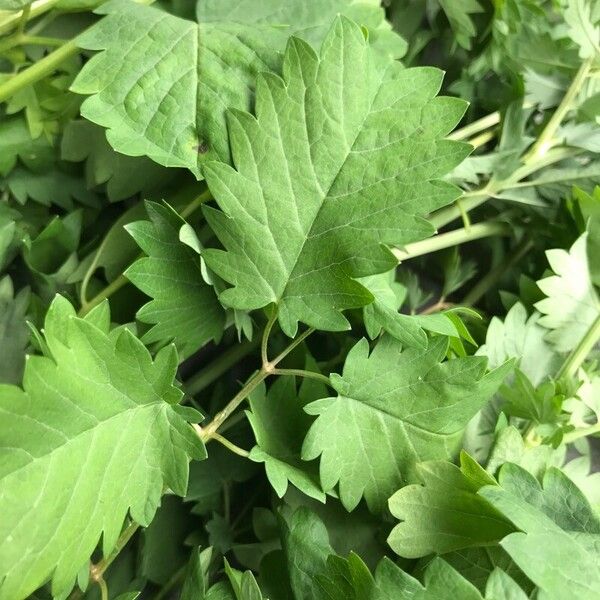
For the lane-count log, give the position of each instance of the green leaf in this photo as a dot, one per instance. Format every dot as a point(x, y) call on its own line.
point(583, 28)
point(176, 116)
point(382, 313)
point(280, 426)
point(501, 586)
point(52, 187)
point(184, 308)
point(523, 400)
point(124, 175)
point(344, 579)
point(354, 155)
point(395, 408)
point(15, 142)
point(521, 337)
point(13, 4)
point(94, 434)
point(445, 513)
point(509, 446)
point(194, 584)
point(441, 581)
point(458, 13)
point(572, 304)
point(163, 552)
point(557, 545)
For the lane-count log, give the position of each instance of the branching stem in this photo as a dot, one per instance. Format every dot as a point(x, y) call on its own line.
point(268, 368)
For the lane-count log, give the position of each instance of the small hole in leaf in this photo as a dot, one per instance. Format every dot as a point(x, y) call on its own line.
point(202, 148)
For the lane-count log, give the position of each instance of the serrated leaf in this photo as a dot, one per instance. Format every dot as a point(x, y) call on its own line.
point(280, 425)
point(445, 513)
point(176, 116)
point(94, 434)
point(557, 545)
point(184, 308)
point(124, 175)
point(440, 581)
point(395, 408)
point(521, 337)
point(16, 142)
point(572, 304)
point(459, 15)
point(382, 313)
point(52, 187)
point(354, 152)
point(584, 30)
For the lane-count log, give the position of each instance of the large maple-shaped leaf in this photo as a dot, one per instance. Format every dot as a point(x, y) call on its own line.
point(341, 159)
point(184, 308)
point(395, 408)
point(95, 433)
point(163, 84)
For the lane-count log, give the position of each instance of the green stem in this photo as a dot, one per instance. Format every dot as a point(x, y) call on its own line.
point(540, 155)
point(495, 274)
point(103, 588)
point(546, 138)
point(229, 445)
point(108, 291)
point(195, 204)
point(100, 568)
point(571, 365)
point(476, 127)
point(581, 432)
point(208, 432)
point(471, 200)
point(40, 40)
point(35, 9)
point(23, 20)
point(451, 239)
point(222, 364)
point(170, 585)
point(264, 346)
point(302, 373)
point(37, 71)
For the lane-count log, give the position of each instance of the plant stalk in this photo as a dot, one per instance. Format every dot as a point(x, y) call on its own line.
point(222, 364)
point(267, 369)
point(451, 239)
point(546, 138)
point(494, 275)
point(35, 10)
point(38, 71)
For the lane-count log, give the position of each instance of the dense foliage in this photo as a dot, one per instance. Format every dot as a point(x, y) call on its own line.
point(272, 326)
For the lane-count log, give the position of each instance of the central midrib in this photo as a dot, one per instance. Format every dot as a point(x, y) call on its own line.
point(335, 176)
